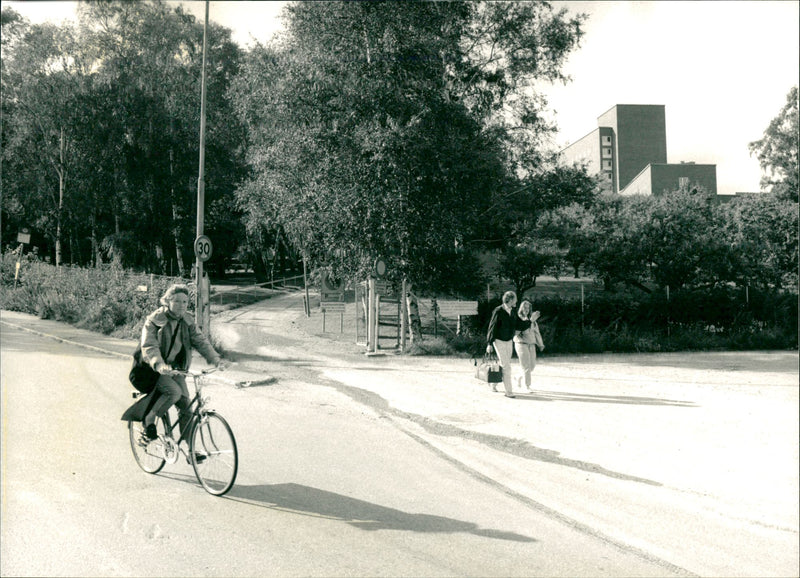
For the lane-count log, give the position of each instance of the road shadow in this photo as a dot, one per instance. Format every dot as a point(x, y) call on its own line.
point(516, 447)
point(536, 395)
point(308, 501)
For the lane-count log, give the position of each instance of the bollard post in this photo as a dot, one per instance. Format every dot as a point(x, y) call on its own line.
point(372, 340)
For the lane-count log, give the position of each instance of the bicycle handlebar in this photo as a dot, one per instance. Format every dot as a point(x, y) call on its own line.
point(201, 373)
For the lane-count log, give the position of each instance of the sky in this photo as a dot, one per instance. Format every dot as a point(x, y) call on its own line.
point(722, 69)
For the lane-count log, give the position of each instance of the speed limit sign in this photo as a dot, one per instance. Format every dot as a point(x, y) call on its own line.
point(203, 248)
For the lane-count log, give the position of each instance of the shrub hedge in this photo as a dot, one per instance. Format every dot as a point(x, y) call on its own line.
point(703, 319)
point(108, 300)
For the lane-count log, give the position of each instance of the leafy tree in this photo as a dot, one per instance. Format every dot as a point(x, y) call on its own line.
point(761, 231)
point(100, 133)
point(390, 125)
point(151, 57)
point(573, 229)
point(44, 72)
point(680, 239)
point(777, 151)
point(523, 264)
point(617, 230)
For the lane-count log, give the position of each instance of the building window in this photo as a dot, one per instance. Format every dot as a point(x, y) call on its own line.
point(683, 183)
point(607, 153)
point(607, 165)
point(607, 140)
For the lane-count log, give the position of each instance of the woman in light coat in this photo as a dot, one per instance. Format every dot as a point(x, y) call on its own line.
point(527, 338)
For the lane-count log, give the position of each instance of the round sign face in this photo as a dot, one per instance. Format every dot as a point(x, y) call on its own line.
point(203, 248)
point(380, 268)
point(331, 284)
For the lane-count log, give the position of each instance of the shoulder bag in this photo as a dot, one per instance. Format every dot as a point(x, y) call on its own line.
point(142, 376)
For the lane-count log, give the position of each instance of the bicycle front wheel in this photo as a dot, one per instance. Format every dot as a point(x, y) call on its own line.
point(213, 454)
point(147, 460)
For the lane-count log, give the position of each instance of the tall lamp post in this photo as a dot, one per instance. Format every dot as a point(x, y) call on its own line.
point(201, 298)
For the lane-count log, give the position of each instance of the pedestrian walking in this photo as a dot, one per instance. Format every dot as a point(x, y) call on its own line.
point(527, 338)
point(500, 335)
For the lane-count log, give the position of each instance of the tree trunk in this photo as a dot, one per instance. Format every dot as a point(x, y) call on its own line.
point(74, 253)
point(176, 226)
point(176, 235)
point(97, 259)
point(160, 256)
point(61, 185)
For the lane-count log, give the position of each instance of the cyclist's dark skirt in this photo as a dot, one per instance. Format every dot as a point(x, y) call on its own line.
point(138, 410)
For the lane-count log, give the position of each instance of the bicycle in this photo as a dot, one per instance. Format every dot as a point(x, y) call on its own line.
point(211, 450)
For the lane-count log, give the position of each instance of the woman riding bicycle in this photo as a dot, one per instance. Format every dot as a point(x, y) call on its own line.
point(168, 336)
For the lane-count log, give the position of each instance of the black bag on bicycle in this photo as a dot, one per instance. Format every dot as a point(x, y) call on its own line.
point(142, 376)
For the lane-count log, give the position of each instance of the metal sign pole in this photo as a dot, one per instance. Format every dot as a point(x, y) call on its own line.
point(201, 298)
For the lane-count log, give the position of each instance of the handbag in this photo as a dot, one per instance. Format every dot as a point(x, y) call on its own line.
point(142, 376)
point(489, 370)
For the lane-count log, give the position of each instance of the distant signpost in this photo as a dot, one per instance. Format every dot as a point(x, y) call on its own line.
point(23, 238)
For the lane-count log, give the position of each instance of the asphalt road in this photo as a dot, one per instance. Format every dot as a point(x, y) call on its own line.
point(327, 486)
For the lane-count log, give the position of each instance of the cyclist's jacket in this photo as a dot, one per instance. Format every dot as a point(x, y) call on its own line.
point(167, 341)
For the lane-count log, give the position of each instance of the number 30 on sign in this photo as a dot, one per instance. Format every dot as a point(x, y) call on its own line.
point(203, 248)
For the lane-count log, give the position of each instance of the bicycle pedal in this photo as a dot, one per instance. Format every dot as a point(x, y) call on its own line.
point(199, 458)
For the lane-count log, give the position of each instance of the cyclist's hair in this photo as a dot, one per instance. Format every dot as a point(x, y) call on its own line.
point(177, 288)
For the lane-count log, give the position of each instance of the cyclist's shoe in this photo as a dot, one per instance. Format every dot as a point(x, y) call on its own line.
point(198, 458)
point(150, 432)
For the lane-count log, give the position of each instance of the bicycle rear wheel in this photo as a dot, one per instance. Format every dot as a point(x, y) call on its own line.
point(213, 452)
point(149, 462)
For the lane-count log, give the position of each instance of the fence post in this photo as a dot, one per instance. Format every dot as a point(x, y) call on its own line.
point(305, 285)
point(582, 309)
point(668, 309)
point(403, 315)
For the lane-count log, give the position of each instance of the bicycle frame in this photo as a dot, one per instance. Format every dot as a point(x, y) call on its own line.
point(210, 443)
point(197, 409)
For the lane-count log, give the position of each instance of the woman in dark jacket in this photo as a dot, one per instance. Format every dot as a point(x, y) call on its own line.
point(500, 335)
point(168, 336)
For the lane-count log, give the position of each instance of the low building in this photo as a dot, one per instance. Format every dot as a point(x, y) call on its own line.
point(628, 151)
point(660, 178)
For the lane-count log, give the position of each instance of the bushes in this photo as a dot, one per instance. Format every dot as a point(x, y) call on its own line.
point(709, 319)
point(106, 299)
